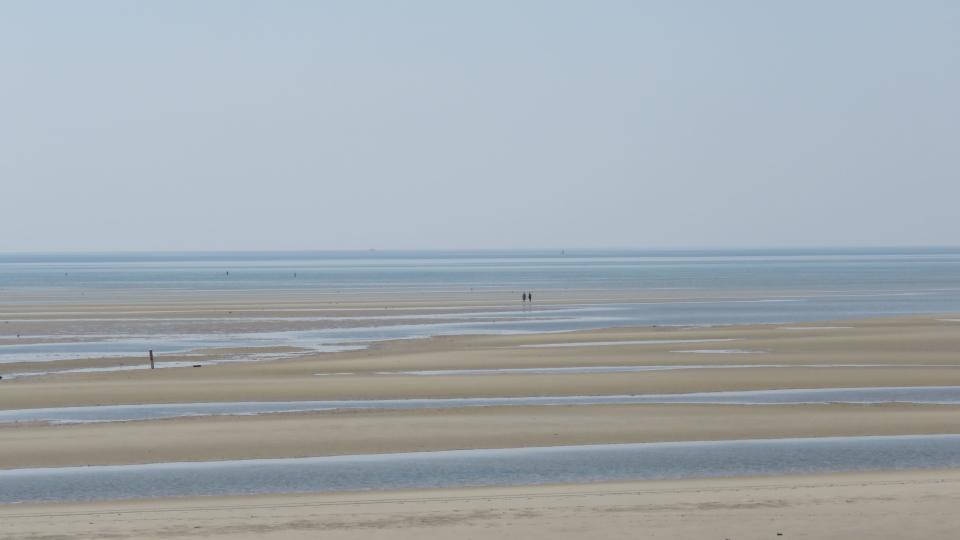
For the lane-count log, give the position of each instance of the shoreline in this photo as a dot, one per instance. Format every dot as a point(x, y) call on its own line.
point(896, 349)
point(879, 505)
point(222, 354)
point(922, 340)
point(383, 432)
point(487, 467)
point(240, 325)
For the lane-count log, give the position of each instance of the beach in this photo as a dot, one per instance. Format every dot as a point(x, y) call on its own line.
point(378, 378)
point(896, 352)
point(907, 352)
point(882, 505)
point(532, 271)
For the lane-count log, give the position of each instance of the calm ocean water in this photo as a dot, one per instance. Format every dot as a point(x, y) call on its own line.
point(907, 269)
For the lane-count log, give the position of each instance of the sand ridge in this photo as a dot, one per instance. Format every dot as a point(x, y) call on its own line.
point(894, 345)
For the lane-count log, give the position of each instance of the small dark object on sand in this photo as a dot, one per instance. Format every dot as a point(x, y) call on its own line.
point(197, 365)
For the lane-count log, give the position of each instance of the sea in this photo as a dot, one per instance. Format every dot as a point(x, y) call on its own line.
point(575, 289)
point(893, 269)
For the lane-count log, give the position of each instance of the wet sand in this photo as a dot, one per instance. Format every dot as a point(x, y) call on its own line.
point(907, 342)
point(879, 505)
point(376, 432)
point(882, 506)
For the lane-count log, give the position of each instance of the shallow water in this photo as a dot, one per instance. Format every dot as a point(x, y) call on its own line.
point(522, 466)
point(801, 286)
point(137, 340)
point(943, 395)
point(167, 364)
point(617, 343)
point(160, 344)
point(719, 351)
point(626, 369)
point(814, 328)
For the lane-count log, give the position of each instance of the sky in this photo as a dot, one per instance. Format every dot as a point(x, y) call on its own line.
point(356, 124)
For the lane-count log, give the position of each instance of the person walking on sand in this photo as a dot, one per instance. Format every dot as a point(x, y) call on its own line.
point(524, 297)
point(530, 296)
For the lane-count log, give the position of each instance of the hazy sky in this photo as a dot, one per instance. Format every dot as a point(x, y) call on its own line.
point(452, 124)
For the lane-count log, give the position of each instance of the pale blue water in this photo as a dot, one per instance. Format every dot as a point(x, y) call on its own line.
point(521, 466)
point(929, 395)
point(631, 369)
point(866, 269)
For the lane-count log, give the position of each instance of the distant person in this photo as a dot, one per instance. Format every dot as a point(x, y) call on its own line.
point(524, 297)
point(530, 296)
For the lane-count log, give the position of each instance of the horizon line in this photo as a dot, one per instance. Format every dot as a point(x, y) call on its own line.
point(538, 250)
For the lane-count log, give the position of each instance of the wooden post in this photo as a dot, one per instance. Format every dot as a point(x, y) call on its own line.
point(151, 360)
